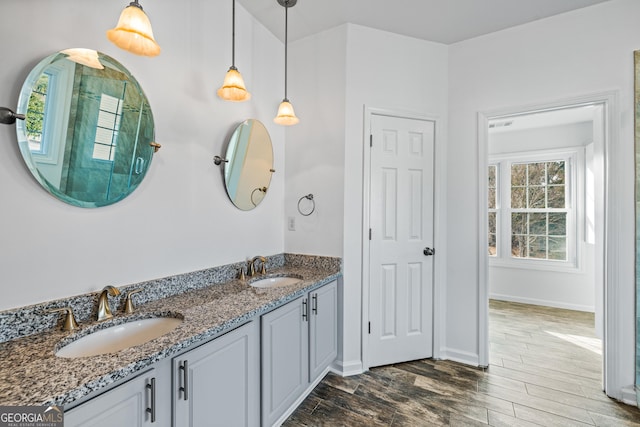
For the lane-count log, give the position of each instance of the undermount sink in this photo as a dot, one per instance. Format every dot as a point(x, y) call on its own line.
point(275, 282)
point(119, 337)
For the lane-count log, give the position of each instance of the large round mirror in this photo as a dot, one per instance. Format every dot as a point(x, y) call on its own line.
point(249, 165)
point(88, 133)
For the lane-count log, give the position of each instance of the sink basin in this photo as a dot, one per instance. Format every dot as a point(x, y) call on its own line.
point(275, 282)
point(119, 337)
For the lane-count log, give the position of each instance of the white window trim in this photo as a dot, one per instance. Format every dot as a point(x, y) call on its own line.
point(575, 161)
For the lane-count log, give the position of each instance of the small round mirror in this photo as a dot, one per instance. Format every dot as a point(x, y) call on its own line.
point(88, 128)
point(249, 165)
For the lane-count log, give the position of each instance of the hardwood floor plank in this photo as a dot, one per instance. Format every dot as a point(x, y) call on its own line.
point(497, 419)
point(376, 411)
point(547, 419)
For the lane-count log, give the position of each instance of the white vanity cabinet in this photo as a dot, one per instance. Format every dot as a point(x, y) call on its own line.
point(299, 341)
point(218, 383)
point(142, 401)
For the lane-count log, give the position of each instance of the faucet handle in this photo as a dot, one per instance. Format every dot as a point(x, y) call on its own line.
point(128, 304)
point(263, 270)
point(241, 275)
point(70, 323)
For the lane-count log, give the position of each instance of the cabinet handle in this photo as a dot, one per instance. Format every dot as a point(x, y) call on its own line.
point(305, 310)
point(314, 305)
point(152, 409)
point(185, 379)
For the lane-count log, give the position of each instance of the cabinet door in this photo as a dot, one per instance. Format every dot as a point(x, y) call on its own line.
point(285, 358)
point(323, 321)
point(218, 383)
point(128, 405)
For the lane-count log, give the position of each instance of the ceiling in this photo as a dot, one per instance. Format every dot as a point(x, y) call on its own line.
point(555, 117)
point(442, 21)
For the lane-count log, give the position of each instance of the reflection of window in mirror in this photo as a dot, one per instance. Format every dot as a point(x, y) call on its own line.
point(35, 114)
point(109, 119)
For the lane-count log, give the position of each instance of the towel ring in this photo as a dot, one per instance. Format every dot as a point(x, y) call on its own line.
point(313, 204)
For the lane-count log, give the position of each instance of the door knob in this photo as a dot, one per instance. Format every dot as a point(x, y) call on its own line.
point(429, 251)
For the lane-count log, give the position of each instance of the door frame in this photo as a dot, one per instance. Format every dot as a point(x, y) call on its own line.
point(439, 225)
point(610, 251)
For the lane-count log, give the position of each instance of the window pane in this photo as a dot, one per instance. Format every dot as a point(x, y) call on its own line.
point(492, 233)
point(556, 196)
point(537, 173)
point(492, 176)
point(537, 247)
point(558, 248)
point(518, 174)
point(555, 172)
point(519, 246)
point(519, 223)
point(558, 224)
point(537, 198)
point(492, 198)
point(518, 197)
point(538, 224)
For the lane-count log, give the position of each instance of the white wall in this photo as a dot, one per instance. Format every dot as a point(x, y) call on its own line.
point(315, 146)
point(571, 288)
point(393, 72)
point(333, 75)
point(179, 219)
point(579, 53)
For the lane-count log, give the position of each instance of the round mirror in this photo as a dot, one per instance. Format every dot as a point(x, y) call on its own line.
point(88, 133)
point(249, 164)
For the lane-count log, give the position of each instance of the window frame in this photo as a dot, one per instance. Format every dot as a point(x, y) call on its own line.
point(574, 158)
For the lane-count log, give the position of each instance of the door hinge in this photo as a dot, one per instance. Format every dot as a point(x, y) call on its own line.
point(371, 140)
point(369, 327)
point(369, 234)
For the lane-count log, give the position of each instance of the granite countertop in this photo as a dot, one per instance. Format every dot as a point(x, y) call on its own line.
point(31, 374)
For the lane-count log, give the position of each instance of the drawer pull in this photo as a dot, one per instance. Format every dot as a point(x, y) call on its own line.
point(305, 310)
point(185, 379)
point(152, 409)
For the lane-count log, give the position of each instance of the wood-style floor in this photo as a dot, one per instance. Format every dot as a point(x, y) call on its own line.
point(545, 369)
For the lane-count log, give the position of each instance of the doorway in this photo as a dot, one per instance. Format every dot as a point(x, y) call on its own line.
point(545, 229)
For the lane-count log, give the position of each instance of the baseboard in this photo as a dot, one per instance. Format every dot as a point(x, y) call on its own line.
point(347, 369)
point(628, 395)
point(547, 303)
point(459, 356)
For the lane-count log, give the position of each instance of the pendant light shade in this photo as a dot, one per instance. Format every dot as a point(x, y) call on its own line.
point(286, 116)
point(87, 57)
point(133, 32)
point(233, 88)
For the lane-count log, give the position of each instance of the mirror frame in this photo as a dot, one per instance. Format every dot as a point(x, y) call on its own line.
point(248, 165)
point(61, 128)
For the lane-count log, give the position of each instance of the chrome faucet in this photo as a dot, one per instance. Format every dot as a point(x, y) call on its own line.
point(104, 311)
point(251, 271)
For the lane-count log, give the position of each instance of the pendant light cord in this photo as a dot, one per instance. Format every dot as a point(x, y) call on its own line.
point(233, 34)
point(286, 29)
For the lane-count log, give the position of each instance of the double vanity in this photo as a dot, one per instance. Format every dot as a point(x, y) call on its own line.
point(231, 352)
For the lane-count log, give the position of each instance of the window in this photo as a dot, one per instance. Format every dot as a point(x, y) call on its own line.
point(537, 222)
point(538, 210)
point(109, 117)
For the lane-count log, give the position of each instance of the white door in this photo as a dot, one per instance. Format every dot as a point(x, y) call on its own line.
point(401, 242)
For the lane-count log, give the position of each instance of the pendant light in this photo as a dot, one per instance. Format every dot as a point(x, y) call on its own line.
point(233, 88)
point(133, 32)
point(286, 116)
